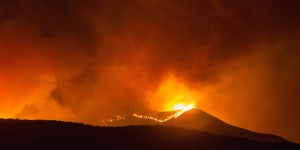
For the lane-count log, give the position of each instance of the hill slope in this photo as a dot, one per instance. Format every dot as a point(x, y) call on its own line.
point(17, 134)
point(199, 120)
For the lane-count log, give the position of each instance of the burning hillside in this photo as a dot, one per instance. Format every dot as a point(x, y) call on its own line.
point(158, 117)
point(192, 119)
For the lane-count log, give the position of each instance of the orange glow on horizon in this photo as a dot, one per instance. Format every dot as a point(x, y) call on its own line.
point(173, 95)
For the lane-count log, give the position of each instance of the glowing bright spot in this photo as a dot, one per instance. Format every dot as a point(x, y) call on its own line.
point(179, 108)
point(182, 106)
point(173, 94)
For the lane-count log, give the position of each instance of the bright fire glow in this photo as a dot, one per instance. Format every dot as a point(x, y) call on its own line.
point(179, 108)
point(173, 94)
point(182, 106)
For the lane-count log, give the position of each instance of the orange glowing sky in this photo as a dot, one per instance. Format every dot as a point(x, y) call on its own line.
point(91, 60)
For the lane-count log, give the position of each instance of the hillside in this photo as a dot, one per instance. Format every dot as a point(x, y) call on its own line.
point(26, 134)
point(198, 120)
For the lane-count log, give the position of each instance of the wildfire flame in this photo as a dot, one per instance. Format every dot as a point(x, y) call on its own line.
point(171, 96)
point(180, 108)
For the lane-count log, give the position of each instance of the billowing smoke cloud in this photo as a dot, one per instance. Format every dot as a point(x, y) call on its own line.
point(89, 60)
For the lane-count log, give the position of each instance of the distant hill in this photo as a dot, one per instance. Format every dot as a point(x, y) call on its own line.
point(198, 120)
point(44, 135)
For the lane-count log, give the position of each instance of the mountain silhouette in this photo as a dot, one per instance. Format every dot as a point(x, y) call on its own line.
point(198, 120)
point(46, 135)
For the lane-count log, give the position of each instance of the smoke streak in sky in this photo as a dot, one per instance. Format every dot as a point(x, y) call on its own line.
point(85, 60)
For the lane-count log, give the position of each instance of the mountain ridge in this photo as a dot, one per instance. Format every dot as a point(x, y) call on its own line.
point(202, 121)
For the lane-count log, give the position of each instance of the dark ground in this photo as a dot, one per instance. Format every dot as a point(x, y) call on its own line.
point(43, 135)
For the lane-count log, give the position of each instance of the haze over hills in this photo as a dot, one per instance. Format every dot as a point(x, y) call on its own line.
point(37, 135)
point(194, 119)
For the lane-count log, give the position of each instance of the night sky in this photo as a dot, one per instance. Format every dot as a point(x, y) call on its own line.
point(88, 60)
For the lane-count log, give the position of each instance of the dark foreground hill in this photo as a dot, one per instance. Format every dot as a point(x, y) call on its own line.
point(43, 135)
